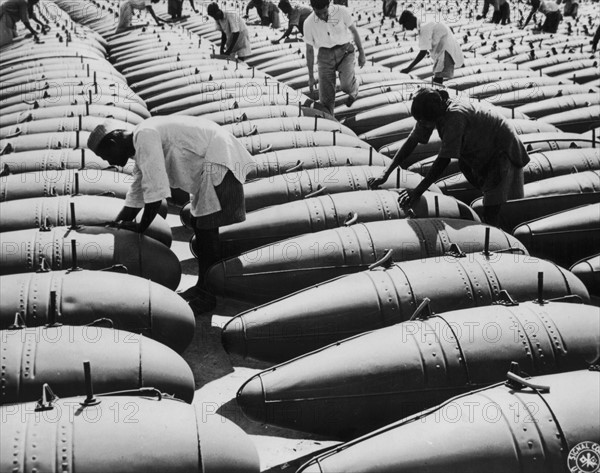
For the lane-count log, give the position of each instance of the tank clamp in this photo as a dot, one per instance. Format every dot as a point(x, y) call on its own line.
point(455, 251)
point(117, 268)
point(385, 262)
point(48, 397)
point(351, 219)
point(516, 382)
point(44, 266)
point(18, 324)
point(505, 299)
point(104, 320)
point(422, 312)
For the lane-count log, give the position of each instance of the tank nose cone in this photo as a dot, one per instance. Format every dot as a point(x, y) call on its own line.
point(165, 368)
point(251, 399)
point(233, 337)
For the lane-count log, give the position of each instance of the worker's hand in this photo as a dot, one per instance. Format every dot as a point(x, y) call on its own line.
point(124, 224)
point(275, 41)
point(406, 70)
point(195, 10)
point(311, 82)
point(245, 17)
point(362, 59)
point(45, 28)
point(375, 182)
point(407, 197)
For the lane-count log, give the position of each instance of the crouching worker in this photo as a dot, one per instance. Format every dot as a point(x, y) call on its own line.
point(189, 153)
point(489, 152)
point(438, 39)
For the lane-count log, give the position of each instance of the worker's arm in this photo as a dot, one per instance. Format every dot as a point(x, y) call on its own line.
point(531, 13)
point(416, 61)
point(404, 152)
point(310, 64)
point(285, 34)
point(156, 18)
point(408, 197)
point(33, 16)
point(234, 38)
point(193, 6)
point(361, 53)
point(24, 11)
point(125, 218)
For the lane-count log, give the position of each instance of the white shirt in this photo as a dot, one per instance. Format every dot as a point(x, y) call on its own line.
point(232, 23)
point(334, 32)
point(189, 153)
point(548, 7)
point(437, 38)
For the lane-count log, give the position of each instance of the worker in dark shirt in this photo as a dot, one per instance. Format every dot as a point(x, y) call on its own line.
point(296, 14)
point(13, 11)
point(488, 150)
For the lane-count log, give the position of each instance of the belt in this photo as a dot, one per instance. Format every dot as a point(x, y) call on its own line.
point(335, 47)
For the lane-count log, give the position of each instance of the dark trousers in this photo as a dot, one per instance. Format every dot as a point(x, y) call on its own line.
point(552, 21)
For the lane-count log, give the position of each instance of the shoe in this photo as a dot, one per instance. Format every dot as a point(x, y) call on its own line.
point(350, 100)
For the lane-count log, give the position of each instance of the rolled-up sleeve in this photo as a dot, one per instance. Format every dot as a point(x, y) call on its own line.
point(153, 179)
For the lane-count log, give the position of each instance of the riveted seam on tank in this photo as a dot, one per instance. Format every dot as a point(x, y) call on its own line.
point(462, 359)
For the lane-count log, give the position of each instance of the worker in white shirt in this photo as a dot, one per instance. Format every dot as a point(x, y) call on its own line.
point(330, 29)
point(126, 11)
point(437, 39)
point(552, 12)
point(234, 34)
point(193, 154)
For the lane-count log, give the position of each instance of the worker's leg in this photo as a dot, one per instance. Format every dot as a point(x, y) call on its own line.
point(326, 64)
point(209, 251)
point(345, 67)
point(509, 186)
point(443, 69)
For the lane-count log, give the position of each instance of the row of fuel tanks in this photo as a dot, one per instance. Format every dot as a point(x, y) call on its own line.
point(86, 308)
point(400, 278)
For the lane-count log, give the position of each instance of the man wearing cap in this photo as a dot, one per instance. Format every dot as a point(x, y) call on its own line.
point(436, 38)
point(189, 153)
point(234, 34)
point(488, 150)
point(330, 29)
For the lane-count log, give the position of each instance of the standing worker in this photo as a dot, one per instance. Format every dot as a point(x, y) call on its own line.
point(297, 15)
point(234, 34)
point(189, 153)
point(437, 39)
point(126, 10)
point(175, 9)
point(552, 12)
point(13, 11)
point(267, 12)
point(331, 29)
point(488, 150)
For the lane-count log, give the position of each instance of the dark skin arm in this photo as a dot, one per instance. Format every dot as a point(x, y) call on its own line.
point(234, 38)
point(288, 32)
point(404, 152)
point(128, 214)
point(34, 17)
point(531, 13)
point(193, 6)
point(156, 18)
point(416, 61)
point(408, 197)
point(223, 43)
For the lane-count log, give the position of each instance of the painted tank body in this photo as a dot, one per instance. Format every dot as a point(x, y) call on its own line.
point(96, 248)
point(279, 269)
point(119, 360)
point(136, 305)
point(526, 430)
point(368, 381)
point(346, 306)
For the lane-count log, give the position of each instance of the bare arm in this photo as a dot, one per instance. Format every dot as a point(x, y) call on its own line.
point(156, 18)
point(361, 53)
point(234, 38)
point(416, 61)
point(404, 152)
point(531, 13)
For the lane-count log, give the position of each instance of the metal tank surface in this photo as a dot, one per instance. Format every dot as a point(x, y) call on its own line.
point(120, 361)
point(80, 297)
point(588, 270)
point(88, 210)
point(563, 237)
point(54, 182)
point(545, 424)
point(92, 248)
point(352, 304)
point(548, 196)
point(143, 433)
point(311, 183)
point(271, 224)
point(276, 270)
point(362, 383)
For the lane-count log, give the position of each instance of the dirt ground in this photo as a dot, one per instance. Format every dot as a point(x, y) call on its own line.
point(218, 377)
